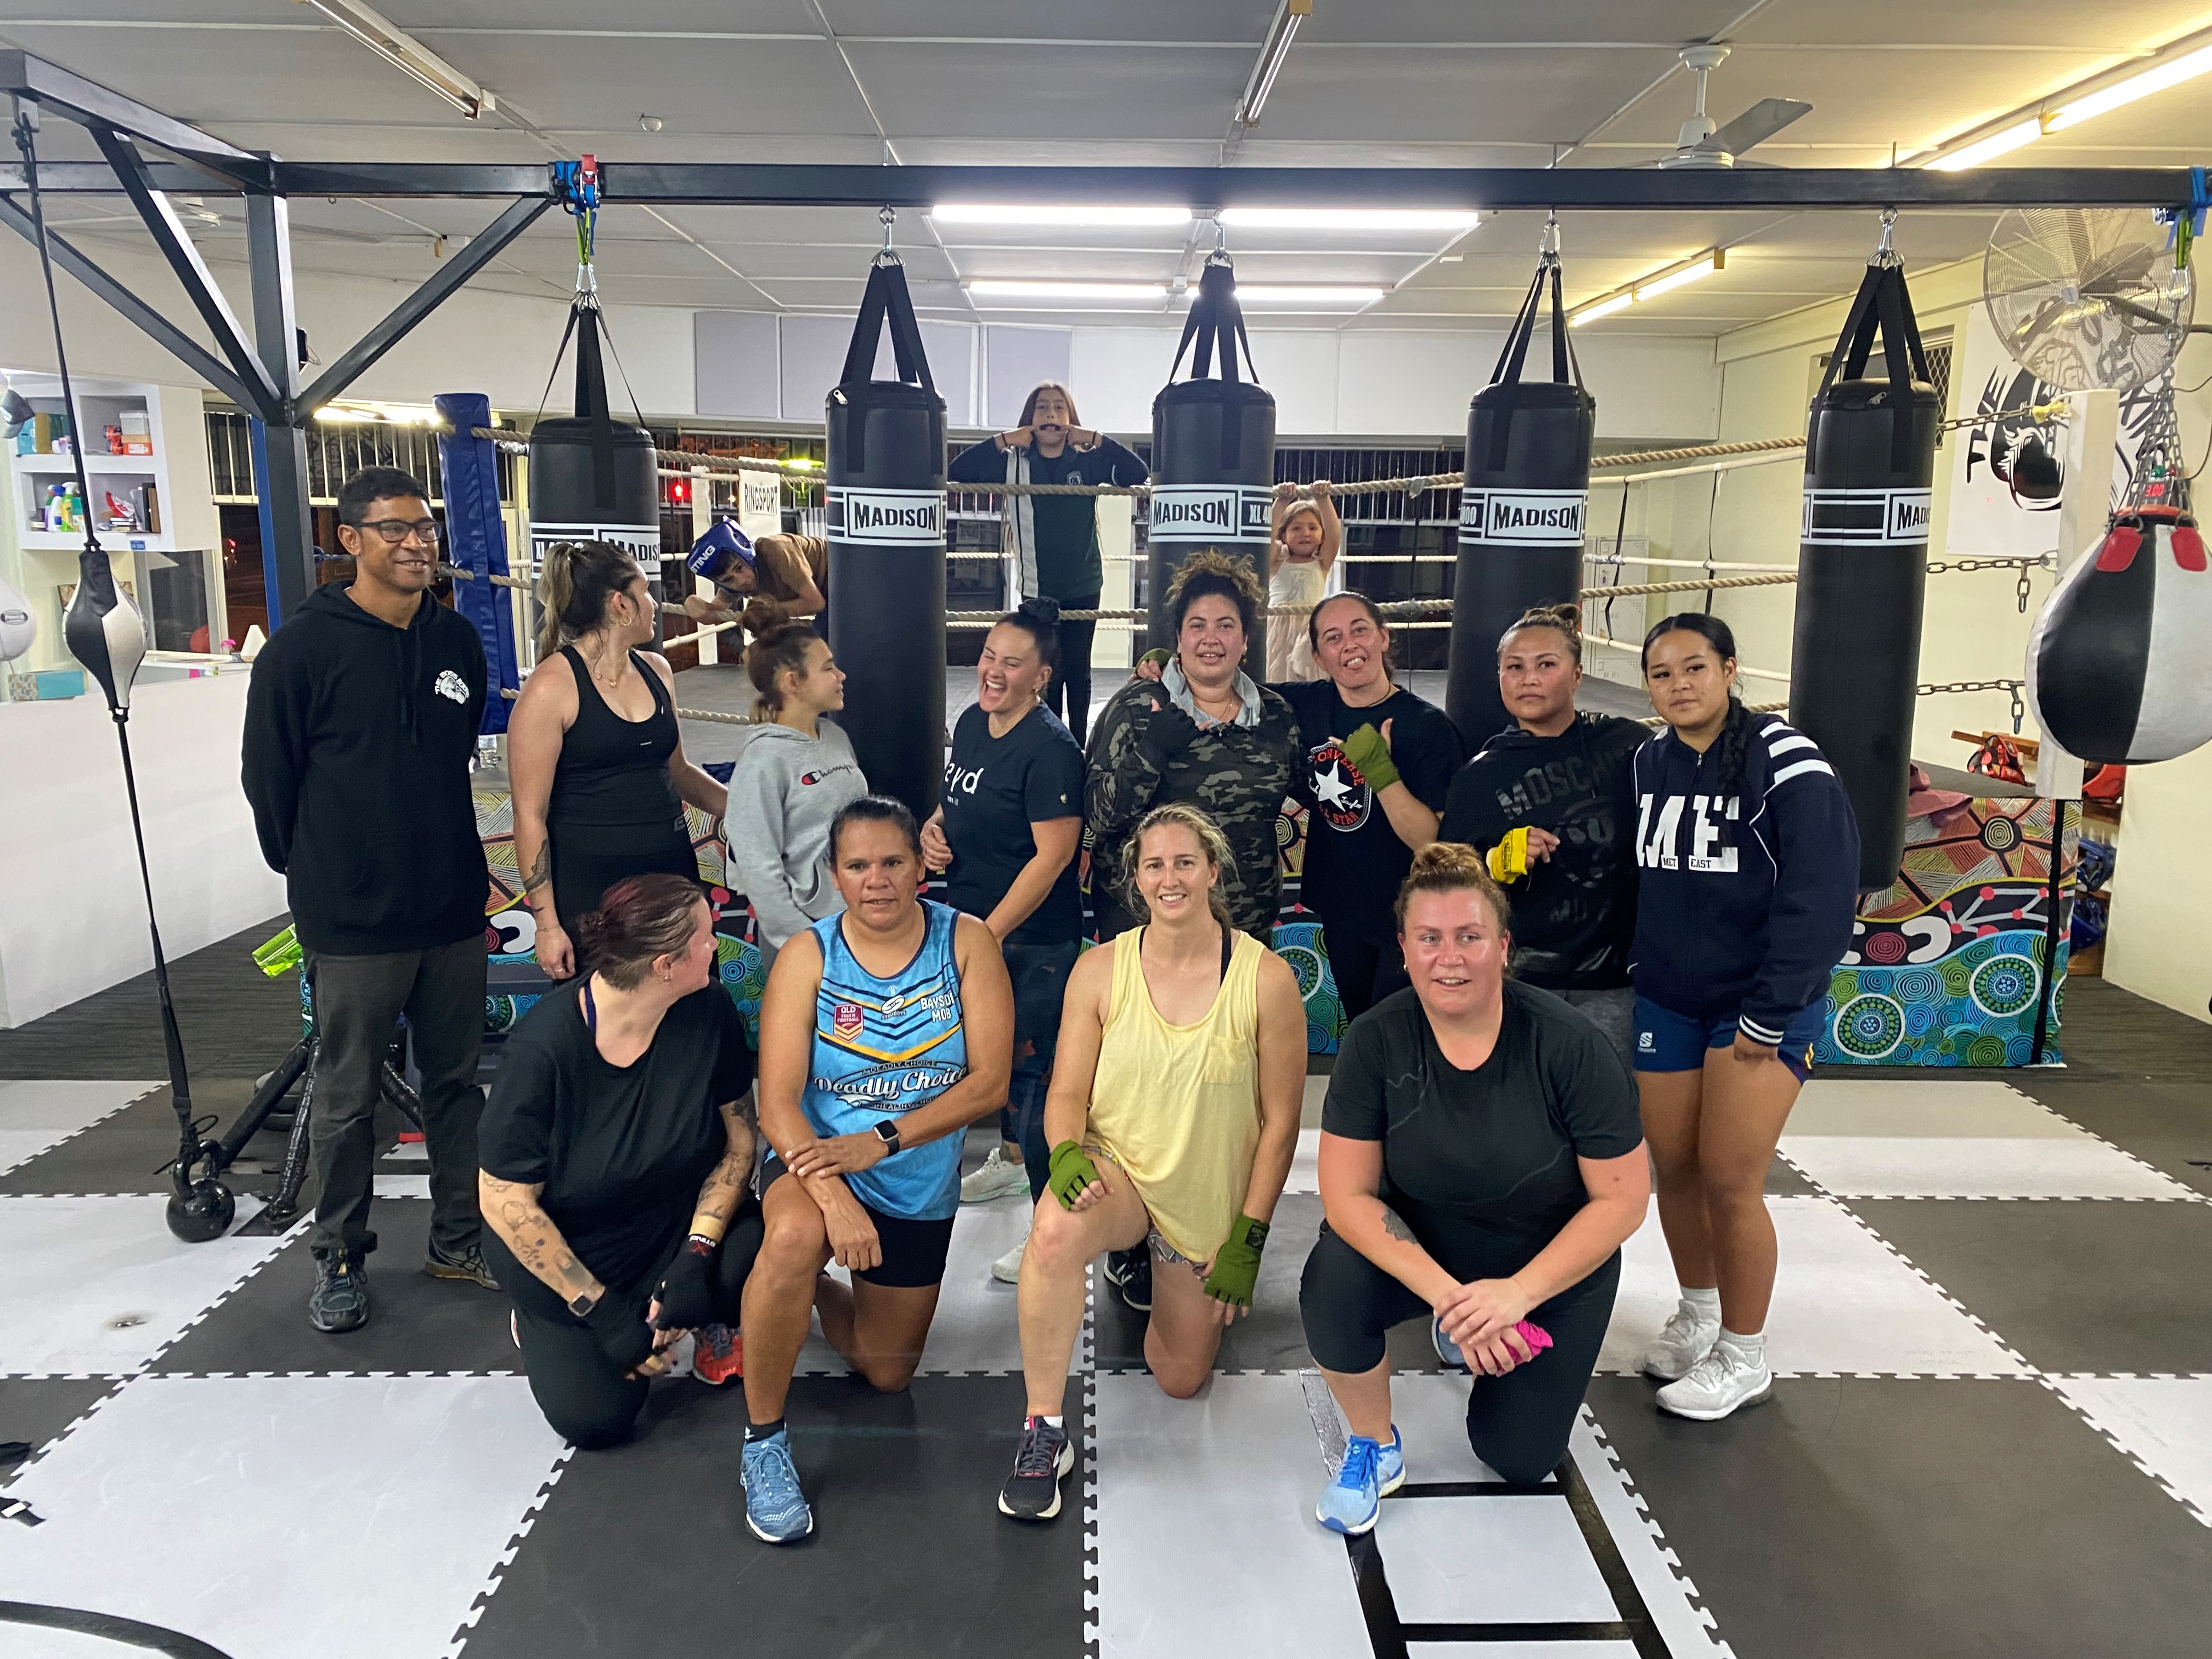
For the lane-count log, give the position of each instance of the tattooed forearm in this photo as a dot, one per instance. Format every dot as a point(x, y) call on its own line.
point(724, 1186)
point(541, 868)
point(523, 1225)
point(1394, 1224)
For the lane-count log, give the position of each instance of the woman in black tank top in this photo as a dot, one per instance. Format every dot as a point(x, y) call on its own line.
point(594, 755)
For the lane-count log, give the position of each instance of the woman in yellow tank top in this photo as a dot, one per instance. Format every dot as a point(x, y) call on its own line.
point(1172, 1117)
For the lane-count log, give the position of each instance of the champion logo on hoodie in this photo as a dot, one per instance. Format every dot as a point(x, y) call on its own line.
point(826, 772)
point(450, 685)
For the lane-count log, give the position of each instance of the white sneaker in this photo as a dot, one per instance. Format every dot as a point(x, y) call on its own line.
point(1725, 1379)
point(995, 1178)
point(1682, 1341)
point(1007, 1269)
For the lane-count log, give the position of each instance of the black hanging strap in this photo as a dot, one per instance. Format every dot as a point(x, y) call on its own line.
point(1882, 302)
point(1215, 317)
point(887, 300)
point(1566, 367)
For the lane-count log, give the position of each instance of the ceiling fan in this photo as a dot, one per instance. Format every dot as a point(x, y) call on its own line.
point(1702, 143)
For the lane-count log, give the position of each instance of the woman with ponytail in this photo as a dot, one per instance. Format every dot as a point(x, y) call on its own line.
point(595, 757)
point(1480, 1167)
point(1748, 859)
point(1549, 800)
point(794, 775)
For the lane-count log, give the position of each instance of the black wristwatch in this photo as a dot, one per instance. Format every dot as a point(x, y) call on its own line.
point(581, 1305)
point(887, 1132)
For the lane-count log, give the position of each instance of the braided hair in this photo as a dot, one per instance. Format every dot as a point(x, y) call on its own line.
point(1734, 739)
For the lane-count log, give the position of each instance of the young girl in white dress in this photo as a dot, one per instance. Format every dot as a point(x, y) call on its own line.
point(1301, 564)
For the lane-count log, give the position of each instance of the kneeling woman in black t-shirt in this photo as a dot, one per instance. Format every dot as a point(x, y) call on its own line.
point(1481, 1161)
point(618, 1111)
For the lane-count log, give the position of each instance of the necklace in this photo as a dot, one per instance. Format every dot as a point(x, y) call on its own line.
point(599, 677)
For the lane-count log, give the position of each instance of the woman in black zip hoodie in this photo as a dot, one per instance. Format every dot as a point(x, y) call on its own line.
point(1747, 858)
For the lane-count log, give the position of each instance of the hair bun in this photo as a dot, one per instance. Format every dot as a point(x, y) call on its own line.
point(1447, 858)
point(760, 615)
point(1045, 610)
point(595, 930)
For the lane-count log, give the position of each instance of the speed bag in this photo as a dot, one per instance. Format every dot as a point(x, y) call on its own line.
point(2119, 665)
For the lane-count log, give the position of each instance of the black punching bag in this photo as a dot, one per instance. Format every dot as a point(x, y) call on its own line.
point(1521, 509)
point(1869, 459)
point(593, 478)
point(886, 528)
point(1214, 459)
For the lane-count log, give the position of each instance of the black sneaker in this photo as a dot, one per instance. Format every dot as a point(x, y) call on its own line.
point(1130, 1271)
point(340, 1301)
point(468, 1268)
point(1032, 1491)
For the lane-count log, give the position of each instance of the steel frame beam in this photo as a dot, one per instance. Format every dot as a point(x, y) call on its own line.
point(280, 446)
point(56, 89)
point(485, 247)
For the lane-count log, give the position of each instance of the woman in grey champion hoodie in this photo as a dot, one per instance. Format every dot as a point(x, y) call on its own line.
point(794, 772)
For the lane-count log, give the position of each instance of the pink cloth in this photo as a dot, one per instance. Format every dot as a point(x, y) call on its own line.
point(1535, 1336)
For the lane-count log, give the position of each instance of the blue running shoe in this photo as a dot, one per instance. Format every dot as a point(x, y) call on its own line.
point(776, 1509)
point(1351, 1503)
point(1447, 1350)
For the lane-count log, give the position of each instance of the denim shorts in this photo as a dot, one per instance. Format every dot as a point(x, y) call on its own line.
point(1668, 1041)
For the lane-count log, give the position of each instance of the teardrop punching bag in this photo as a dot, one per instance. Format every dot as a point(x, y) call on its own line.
point(1521, 507)
point(593, 478)
point(1862, 564)
point(886, 530)
point(2119, 666)
point(1214, 459)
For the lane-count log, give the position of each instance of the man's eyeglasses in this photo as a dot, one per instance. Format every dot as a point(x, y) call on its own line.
point(396, 531)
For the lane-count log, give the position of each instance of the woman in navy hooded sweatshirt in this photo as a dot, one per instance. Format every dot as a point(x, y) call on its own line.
point(1748, 861)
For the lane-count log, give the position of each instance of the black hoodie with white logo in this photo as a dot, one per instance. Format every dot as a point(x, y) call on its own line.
point(358, 738)
point(1744, 904)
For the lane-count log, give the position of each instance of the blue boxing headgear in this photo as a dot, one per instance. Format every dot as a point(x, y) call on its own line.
point(710, 553)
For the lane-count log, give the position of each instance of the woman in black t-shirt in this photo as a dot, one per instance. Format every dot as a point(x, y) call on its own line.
point(1481, 1162)
point(618, 1112)
point(594, 752)
point(1004, 840)
point(1054, 539)
point(1379, 761)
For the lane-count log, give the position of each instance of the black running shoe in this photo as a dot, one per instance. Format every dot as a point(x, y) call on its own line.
point(467, 1269)
point(1032, 1491)
point(340, 1301)
point(1130, 1271)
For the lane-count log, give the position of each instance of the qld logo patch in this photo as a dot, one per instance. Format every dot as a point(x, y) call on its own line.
point(1341, 796)
point(846, 1020)
point(450, 685)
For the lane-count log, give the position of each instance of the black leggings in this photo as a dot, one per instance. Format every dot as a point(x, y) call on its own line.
point(1365, 972)
point(1518, 1423)
point(577, 1384)
point(1069, 693)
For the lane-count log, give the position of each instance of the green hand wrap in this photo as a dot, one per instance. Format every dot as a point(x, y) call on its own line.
point(1365, 749)
point(1236, 1263)
point(1071, 1172)
point(1159, 656)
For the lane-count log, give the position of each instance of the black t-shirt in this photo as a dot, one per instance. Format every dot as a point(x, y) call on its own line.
point(621, 1152)
point(1480, 1164)
point(1574, 913)
point(1355, 862)
point(994, 789)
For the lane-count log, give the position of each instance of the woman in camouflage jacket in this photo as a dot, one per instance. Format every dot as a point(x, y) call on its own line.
point(1205, 733)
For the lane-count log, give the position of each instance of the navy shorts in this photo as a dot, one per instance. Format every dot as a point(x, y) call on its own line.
point(1668, 1041)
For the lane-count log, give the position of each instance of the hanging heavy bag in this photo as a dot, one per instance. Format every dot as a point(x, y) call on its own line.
point(475, 540)
point(886, 524)
point(1521, 508)
point(1213, 458)
point(1862, 564)
point(2119, 665)
point(593, 478)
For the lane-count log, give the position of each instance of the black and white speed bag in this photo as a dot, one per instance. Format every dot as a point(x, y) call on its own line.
point(2119, 666)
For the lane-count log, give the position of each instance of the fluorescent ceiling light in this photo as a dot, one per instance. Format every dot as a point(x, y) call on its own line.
point(1270, 294)
point(1987, 149)
point(1674, 279)
point(1011, 290)
point(992, 213)
point(1291, 218)
point(2126, 91)
point(1602, 308)
point(372, 29)
point(1289, 16)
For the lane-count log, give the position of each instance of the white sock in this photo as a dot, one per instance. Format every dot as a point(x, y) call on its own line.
point(1705, 1304)
point(1752, 1348)
point(1059, 1422)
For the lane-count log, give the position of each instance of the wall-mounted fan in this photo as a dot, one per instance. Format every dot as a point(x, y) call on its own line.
point(1703, 143)
point(2086, 298)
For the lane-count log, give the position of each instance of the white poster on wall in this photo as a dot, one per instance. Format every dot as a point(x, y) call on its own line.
point(760, 503)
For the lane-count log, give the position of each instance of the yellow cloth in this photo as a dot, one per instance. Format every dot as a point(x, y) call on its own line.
point(1509, 859)
point(1178, 1106)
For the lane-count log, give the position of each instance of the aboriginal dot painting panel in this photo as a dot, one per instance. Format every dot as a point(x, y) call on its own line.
point(1958, 962)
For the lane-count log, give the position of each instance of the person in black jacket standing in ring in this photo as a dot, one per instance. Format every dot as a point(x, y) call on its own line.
point(360, 724)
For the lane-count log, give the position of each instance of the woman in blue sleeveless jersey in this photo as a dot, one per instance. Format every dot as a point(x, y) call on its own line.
point(885, 1031)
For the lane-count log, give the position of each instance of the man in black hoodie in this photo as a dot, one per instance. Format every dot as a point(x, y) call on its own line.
point(360, 724)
